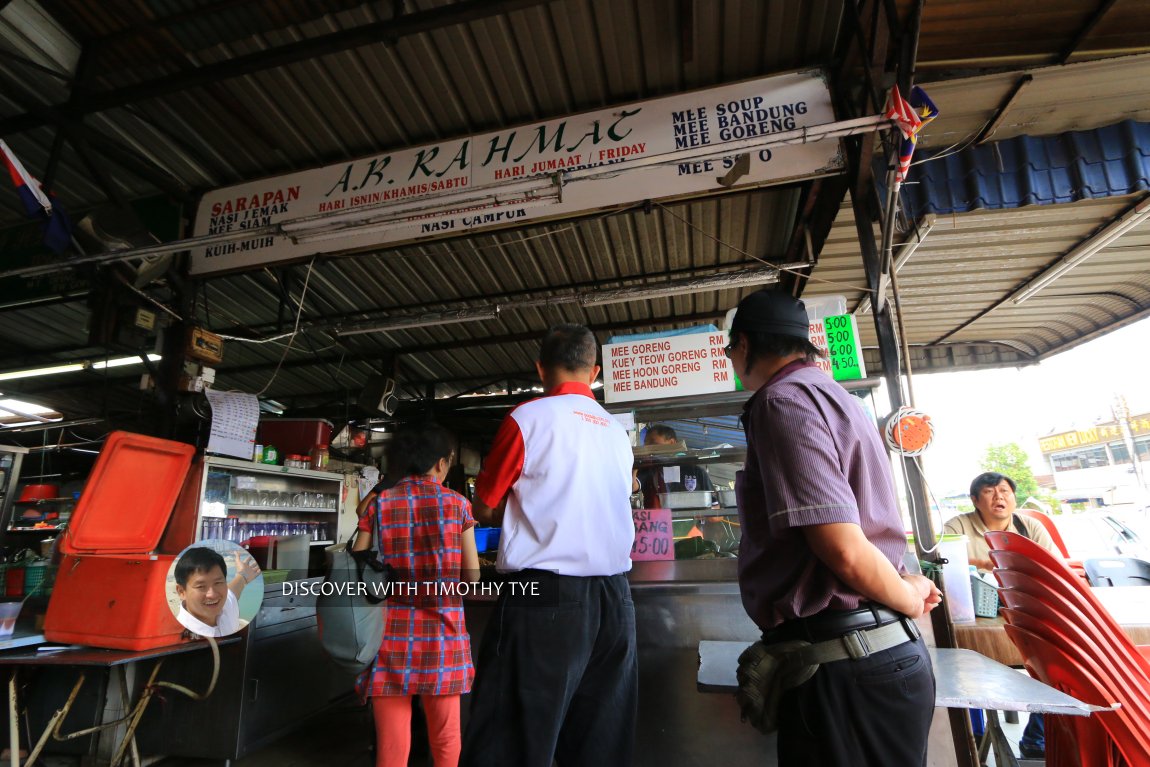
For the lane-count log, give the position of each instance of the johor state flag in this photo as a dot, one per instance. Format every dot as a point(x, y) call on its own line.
point(910, 117)
point(39, 206)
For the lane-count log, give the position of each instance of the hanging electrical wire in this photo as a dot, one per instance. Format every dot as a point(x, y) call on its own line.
point(295, 328)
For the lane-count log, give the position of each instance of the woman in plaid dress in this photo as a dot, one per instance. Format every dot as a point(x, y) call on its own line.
point(425, 532)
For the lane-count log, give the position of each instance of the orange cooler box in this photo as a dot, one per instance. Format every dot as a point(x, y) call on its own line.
point(110, 588)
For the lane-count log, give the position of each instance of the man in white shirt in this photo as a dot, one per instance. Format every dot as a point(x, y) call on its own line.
point(209, 604)
point(557, 673)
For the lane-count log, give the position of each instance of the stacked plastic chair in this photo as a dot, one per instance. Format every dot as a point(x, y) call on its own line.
point(1052, 530)
point(1071, 642)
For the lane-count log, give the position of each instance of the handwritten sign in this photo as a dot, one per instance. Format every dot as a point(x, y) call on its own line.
point(653, 535)
point(842, 340)
point(429, 191)
point(234, 419)
point(675, 366)
point(818, 309)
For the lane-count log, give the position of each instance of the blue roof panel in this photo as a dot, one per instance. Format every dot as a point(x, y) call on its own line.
point(1031, 170)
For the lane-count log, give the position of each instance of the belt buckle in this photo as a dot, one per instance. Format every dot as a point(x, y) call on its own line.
point(856, 645)
point(911, 628)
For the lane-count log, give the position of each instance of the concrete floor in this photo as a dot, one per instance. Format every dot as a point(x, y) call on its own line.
point(343, 736)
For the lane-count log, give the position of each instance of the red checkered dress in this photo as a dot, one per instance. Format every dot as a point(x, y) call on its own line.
point(425, 646)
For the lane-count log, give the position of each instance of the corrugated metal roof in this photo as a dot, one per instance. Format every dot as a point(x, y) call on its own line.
point(1058, 99)
point(956, 285)
point(511, 61)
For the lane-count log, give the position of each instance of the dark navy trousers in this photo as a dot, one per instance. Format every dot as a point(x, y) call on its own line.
point(873, 712)
point(557, 675)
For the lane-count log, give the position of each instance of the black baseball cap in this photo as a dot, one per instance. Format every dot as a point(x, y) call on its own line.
point(772, 311)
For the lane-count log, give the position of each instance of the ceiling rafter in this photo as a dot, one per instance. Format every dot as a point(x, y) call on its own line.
point(368, 34)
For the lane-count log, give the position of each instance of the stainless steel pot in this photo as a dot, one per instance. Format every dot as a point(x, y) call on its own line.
point(698, 499)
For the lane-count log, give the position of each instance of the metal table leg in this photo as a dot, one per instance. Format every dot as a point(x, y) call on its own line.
point(55, 721)
point(1003, 754)
point(13, 723)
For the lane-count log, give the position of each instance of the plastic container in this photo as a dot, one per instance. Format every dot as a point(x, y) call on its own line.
point(487, 538)
point(956, 578)
point(320, 457)
point(14, 580)
point(39, 492)
point(985, 595)
point(295, 435)
point(9, 611)
point(271, 455)
point(137, 513)
point(38, 578)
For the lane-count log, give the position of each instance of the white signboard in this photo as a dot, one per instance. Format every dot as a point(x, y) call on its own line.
point(675, 366)
point(437, 190)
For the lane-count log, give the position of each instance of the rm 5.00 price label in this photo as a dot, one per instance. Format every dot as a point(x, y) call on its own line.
point(653, 535)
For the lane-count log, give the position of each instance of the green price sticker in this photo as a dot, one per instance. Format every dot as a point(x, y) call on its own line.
point(845, 351)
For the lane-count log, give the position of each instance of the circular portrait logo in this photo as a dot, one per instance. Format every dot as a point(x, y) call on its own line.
point(214, 588)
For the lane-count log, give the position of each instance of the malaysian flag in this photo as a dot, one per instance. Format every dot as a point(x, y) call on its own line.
point(910, 117)
point(38, 205)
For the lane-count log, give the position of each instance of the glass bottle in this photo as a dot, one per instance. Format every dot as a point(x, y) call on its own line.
point(319, 457)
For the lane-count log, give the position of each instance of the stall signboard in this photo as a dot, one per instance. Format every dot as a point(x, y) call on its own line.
point(1103, 432)
point(654, 535)
point(673, 366)
point(501, 178)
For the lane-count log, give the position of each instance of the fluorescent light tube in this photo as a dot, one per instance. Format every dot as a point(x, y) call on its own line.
point(71, 367)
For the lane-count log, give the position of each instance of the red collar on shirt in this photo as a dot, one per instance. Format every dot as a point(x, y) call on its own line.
point(571, 387)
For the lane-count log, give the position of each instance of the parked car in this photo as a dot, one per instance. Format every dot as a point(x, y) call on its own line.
point(1101, 533)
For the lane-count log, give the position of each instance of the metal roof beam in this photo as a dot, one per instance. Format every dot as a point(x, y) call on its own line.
point(1103, 8)
point(369, 34)
point(468, 343)
point(331, 322)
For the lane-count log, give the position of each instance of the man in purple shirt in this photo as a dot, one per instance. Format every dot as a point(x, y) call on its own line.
point(821, 554)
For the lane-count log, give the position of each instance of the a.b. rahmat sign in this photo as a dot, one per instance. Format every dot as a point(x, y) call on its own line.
point(442, 174)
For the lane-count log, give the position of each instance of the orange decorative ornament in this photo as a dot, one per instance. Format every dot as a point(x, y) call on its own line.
point(908, 431)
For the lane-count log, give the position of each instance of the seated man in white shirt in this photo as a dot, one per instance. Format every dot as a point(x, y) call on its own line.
point(209, 604)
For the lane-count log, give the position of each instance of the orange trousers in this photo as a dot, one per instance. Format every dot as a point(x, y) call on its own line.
point(392, 715)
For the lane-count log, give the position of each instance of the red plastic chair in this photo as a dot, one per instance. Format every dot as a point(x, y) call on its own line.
point(1051, 528)
point(1128, 726)
point(1011, 564)
point(1071, 741)
point(1045, 599)
point(1028, 557)
point(1077, 636)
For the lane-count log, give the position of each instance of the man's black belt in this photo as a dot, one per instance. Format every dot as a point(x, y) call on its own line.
point(840, 634)
point(831, 624)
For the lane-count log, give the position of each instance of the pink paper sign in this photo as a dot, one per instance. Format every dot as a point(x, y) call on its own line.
point(653, 535)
